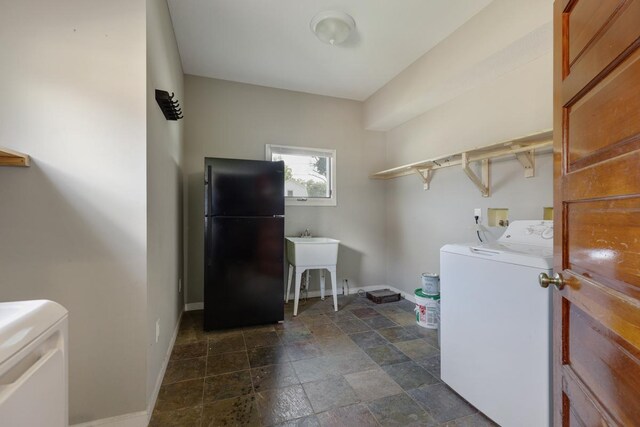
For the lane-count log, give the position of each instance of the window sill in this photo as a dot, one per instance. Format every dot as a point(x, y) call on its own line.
point(310, 202)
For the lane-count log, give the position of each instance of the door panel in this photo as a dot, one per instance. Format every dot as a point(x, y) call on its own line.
point(607, 117)
point(604, 239)
point(585, 23)
point(597, 212)
point(616, 35)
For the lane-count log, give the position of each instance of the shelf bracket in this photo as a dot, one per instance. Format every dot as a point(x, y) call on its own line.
point(528, 161)
point(481, 182)
point(425, 176)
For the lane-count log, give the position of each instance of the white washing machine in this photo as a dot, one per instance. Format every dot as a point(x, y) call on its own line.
point(33, 364)
point(496, 324)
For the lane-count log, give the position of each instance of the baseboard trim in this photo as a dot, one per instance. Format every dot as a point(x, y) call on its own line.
point(193, 306)
point(316, 294)
point(134, 419)
point(163, 370)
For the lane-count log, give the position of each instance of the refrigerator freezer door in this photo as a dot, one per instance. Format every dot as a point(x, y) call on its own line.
point(244, 271)
point(243, 187)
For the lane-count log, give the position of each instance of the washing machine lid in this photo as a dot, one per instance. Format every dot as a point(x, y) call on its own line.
point(525, 255)
point(21, 322)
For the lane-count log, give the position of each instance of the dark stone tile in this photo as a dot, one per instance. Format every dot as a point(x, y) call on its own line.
point(475, 420)
point(372, 384)
point(332, 366)
point(442, 402)
point(261, 338)
point(329, 394)
point(229, 385)
point(187, 336)
point(365, 312)
point(386, 355)
point(402, 318)
point(432, 365)
point(352, 326)
point(273, 376)
point(227, 362)
point(181, 370)
point(417, 349)
point(311, 319)
point(399, 410)
point(368, 339)
point(237, 411)
point(352, 416)
point(293, 335)
point(409, 375)
point(303, 350)
point(406, 305)
point(264, 356)
point(429, 335)
point(325, 330)
point(185, 417)
point(341, 315)
point(226, 343)
point(189, 351)
point(310, 421)
point(314, 369)
point(397, 333)
point(378, 322)
point(259, 328)
point(337, 345)
point(283, 404)
point(180, 395)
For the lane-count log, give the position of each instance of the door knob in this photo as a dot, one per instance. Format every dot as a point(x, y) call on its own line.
point(556, 280)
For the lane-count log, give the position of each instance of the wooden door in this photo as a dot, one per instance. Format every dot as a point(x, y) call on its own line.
point(597, 212)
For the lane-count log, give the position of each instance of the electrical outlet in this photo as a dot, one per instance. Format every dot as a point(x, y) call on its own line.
point(157, 330)
point(477, 212)
point(180, 285)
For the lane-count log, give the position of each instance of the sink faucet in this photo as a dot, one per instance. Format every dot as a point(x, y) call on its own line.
point(306, 233)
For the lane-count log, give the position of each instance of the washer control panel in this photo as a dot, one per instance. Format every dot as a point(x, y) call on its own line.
point(529, 232)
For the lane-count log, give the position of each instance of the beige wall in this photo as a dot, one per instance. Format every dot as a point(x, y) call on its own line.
point(74, 223)
point(236, 120)
point(164, 192)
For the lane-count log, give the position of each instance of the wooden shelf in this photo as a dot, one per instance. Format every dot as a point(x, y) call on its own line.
point(13, 158)
point(523, 149)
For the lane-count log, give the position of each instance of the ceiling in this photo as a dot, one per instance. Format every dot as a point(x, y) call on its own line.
point(269, 43)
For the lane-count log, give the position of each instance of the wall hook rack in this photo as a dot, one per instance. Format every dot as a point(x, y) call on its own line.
point(170, 107)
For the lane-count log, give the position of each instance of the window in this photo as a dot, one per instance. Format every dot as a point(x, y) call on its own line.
point(310, 174)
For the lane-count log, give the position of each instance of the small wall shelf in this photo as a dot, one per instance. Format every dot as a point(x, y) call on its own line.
point(13, 158)
point(522, 148)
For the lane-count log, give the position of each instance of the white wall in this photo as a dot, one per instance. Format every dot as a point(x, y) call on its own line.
point(508, 95)
point(164, 192)
point(236, 120)
point(420, 222)
point(74, 223)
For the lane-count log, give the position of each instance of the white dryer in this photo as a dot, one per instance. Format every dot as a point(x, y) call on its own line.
point(496, 324)
point(33, 364)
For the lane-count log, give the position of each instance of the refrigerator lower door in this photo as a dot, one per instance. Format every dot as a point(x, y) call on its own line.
point(244, 271)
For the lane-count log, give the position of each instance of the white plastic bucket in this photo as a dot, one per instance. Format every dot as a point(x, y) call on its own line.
point(427, 309)
point(431, 284)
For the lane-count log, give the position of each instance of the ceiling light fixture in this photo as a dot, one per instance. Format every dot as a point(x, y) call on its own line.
point(332, 27)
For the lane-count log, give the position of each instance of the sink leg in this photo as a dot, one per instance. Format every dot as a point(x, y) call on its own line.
point(334, 287)
point(322, 284)
point(286, 297)
point(296, 296)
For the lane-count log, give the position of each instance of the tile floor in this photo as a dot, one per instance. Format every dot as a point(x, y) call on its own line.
point(365, 365)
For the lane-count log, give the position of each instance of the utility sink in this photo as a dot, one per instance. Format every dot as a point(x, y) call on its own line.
point(312, 251)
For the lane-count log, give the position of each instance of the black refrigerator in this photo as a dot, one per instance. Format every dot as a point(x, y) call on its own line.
point(244, 243)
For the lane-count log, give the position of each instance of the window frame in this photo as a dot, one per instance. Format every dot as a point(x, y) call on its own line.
point(271, 149)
